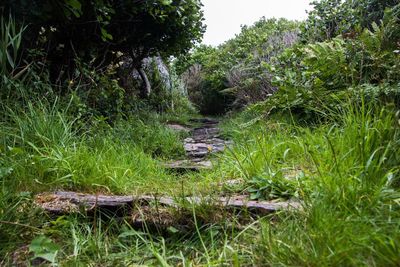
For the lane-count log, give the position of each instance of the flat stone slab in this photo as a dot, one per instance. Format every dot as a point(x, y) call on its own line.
point(204, 121)
point(178, 127)
point(195, 148)
point(64, 202)
point(205, 133)
point(189, 165)
point(203, 141)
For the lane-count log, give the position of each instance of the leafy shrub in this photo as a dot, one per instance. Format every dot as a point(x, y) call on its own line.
point(95, 30)
point(233, 75)
point(314, 78)
point(375, 53)
point(379, 94)
point(274, 186)
point(328, 18)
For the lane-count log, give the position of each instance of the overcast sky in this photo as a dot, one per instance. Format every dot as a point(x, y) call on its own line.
point(224, 17)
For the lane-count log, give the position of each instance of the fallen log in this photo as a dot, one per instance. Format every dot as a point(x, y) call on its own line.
point(62, 202)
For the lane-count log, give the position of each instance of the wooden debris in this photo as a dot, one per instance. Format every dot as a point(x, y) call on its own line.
point(69, 202)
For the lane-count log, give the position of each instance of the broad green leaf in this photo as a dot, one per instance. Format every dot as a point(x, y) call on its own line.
point(10, 60)
point(172, 230)
point(105, 35)
point(75, 7)
point(166, 2)
point(44, 248)
point(74, 4)
point(5, 171)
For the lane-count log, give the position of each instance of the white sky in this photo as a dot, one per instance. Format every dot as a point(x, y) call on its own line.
point(224, 17)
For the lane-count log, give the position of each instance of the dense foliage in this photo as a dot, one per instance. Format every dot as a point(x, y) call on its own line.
point(76, 40)
point(329, 19)
point(315, 77)
point(339, 52)
point(234, 74)
point(93, 29)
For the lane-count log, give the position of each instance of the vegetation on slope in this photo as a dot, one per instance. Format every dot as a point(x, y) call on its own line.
point(313, 113)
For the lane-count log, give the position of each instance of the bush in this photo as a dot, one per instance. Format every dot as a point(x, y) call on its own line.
point(234, 75)
point(313, 78)
point(329, 19)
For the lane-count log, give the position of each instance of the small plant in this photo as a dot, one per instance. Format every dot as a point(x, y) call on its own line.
point(273, 186)
point(10, 44)
point(43, 247)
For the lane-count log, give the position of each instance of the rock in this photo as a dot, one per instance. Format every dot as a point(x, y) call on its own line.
point(205, 121)
point(157, 62)
point(178, 127)
point(204, 141)
point(189, 165)
point(202, 149)
point(132, 79)
point(205, 133)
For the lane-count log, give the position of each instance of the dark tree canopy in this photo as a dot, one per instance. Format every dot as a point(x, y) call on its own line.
point(94, 30)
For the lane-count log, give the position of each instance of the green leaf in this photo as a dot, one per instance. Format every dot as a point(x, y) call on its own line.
point(161, 260)
point(166, 2)
point(75, 7)
point(105, 35)
point(255, 196)
point(172, 230)
point(44, 248)
point(10, 60)
point(129, 233)
point(74, 4)
point(5, 171)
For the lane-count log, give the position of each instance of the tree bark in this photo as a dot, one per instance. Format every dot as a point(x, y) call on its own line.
point(146, 87)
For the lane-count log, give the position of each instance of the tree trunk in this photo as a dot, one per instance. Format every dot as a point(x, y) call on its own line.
point(146, 88)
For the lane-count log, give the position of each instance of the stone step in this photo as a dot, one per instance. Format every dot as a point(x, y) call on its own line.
point(205, 121)
point(179, 127)
point(188, 165)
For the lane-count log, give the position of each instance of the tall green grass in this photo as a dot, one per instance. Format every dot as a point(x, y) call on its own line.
point(43, 148)
point(349, 187)
point(10, 45)
point(345, 172)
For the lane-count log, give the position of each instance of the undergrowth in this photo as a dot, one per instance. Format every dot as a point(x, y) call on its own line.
point(345, 172)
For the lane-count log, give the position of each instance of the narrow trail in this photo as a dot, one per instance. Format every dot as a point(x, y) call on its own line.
point(204, 141)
